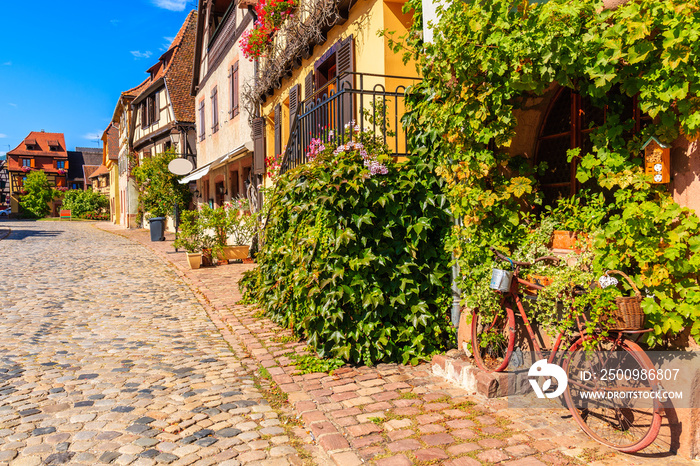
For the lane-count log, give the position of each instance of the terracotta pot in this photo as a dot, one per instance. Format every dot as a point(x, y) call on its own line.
point(563, 239)
point(236, 252)
point(194, 259)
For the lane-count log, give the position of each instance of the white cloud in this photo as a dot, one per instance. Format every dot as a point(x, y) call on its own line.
point(139, 54)
point(2, 153)
point(11, 104)
point(169, 39)
point(172, 5)
point(94, 136)
point(3, 135)
point(114, 21)
point(7, 63)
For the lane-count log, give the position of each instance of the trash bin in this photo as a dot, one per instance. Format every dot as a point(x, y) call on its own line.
point(157, 228)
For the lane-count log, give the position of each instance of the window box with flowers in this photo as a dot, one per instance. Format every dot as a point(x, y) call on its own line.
point(271, 15)
point(62, 171)
point(26, 169)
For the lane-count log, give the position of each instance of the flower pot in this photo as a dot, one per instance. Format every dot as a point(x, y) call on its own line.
point(194, 259)
point(563, 239)
point(236, 252)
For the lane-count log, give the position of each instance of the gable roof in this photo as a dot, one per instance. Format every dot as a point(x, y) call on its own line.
point(88, 170)
point(110, 142)
point(101, 170)
point(43, 140)
point(174, 67)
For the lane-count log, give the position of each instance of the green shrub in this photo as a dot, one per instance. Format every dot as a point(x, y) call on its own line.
point(353, 258)
point(84, 203)
point(38, 194)
point(159, 189)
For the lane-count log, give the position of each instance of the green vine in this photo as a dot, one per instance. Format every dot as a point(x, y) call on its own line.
point(490, 59)
point(353, 258)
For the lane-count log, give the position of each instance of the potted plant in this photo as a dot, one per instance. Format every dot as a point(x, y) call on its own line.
point(190, 237)
point(241, 228)
point(213, 224)
point(577, 217)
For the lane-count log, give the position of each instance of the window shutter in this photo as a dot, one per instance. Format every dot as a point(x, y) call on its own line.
point(157, 106)
point(32, 163)
point(214, 111)
point(235, 89)
point(345, 63)
point(278, 129)
point(309, 85)
point(293, 104)
point(143, 114)
point(202, 123)
point(231, 91)
point(259, 146)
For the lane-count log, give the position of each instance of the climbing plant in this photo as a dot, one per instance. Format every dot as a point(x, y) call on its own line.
point(353, 258)
point(490, 59)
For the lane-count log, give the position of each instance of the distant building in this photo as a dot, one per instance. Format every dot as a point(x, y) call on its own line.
point(4, 182)
point(78, 158)
point(164, 109)
point(38, 151)
point(110, 160)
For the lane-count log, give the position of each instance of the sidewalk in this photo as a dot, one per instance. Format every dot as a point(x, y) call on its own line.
point(391, 414)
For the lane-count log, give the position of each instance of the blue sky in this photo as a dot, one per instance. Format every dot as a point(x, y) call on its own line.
point(64, 64)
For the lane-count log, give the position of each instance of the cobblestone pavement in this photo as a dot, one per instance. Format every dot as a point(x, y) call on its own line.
point(106, 356)
point(392, 414)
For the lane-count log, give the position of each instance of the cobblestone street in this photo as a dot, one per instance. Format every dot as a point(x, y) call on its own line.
point(106, 356)
point(113, 351)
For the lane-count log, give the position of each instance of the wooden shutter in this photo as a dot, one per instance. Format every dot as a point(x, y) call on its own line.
point(32, 163)
point(259, 146)
point(235, 89)
point(278, 129)
point(230, 92)
point(214, 110)
point(309, 85)
point(143, 114)
point(345, 62)
point(157, 107)
point(293, 104)
point(201, 121)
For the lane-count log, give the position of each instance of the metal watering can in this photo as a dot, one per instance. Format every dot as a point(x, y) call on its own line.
point(501, 279)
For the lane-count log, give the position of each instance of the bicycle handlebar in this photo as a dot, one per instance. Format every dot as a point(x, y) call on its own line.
point(523, 264)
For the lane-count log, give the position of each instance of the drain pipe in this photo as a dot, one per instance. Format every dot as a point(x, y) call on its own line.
point(456, 292)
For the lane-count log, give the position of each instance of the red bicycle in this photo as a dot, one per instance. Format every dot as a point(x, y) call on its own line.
point(620, 412)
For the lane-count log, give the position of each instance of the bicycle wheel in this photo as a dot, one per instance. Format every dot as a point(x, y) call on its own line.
point(493, 339)
point(610, 397)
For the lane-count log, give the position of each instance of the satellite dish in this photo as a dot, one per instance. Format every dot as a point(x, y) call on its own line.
point(180, 166)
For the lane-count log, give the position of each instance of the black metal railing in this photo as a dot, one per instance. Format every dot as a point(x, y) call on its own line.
point(351, 99)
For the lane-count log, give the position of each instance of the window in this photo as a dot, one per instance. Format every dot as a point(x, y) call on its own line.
point(214, 111)
point(201, 120)
point(568, 125)
point(233, 81)
point(61, 164)
point(26, 162)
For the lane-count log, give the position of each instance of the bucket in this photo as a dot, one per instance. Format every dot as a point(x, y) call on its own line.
point(500, 280)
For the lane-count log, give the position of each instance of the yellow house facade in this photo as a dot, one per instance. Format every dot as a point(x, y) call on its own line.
point(110, 160)
point(330, 77)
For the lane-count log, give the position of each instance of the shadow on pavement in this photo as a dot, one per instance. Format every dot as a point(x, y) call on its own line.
point(18, 235)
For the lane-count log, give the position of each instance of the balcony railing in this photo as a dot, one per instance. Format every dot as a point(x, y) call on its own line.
point(372, 102)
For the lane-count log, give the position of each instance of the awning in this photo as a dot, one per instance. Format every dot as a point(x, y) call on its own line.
point(203, 171)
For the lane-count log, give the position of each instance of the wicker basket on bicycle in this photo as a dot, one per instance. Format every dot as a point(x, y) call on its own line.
point(628, 312)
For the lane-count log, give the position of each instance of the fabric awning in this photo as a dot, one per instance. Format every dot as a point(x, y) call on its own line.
point(203, 171)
